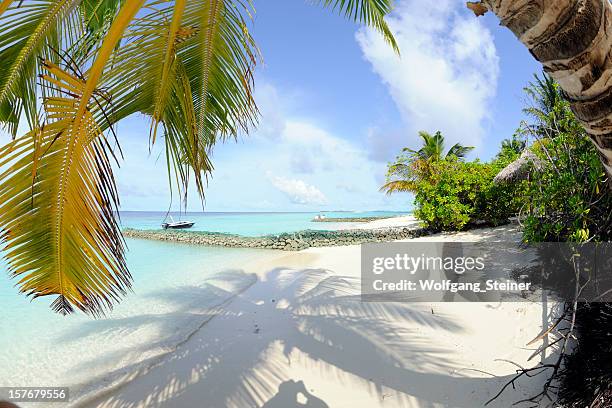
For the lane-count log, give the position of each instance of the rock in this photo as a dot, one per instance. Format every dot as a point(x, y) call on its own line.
point(287, 242)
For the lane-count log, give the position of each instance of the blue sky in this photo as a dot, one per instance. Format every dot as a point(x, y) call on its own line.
point(337, 105)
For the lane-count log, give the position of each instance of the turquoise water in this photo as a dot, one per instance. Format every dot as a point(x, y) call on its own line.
point(174, 287)
point(247, 224)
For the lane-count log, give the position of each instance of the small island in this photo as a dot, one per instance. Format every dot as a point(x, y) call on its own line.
point(351, 219)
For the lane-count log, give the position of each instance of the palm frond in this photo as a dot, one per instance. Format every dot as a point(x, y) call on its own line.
point(545, 94)
point(30, 31)
point(369, 12)
point(207, 57)
point(4, 4)
point(219, 62)
point(432, 148)
point(459, 151)
point(97, 14)
point(59, 197)
point(398, 186)
point(58, 201)
point(167, 67)
point(188, 152)
point(186, 65)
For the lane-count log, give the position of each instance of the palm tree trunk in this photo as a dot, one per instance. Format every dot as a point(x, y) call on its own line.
point(573, 40)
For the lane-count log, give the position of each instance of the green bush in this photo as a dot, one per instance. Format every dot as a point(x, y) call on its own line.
point(453, 195)
point(568, 197)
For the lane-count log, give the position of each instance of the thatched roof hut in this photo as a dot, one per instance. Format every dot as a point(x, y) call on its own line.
point(520, 168)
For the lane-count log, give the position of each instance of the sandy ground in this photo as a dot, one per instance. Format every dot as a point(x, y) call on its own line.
point(301, 337)
point(403, 221)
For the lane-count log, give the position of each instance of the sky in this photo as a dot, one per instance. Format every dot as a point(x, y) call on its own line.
point(337, 104)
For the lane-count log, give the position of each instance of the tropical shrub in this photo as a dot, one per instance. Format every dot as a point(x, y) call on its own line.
point(450, 193)
point(455, 194)
point(568, 197)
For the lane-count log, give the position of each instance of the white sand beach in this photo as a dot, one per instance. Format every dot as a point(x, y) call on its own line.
point(301, 337)
point(402, 221)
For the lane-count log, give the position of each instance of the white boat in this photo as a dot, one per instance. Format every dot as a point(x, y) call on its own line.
point(177, 224)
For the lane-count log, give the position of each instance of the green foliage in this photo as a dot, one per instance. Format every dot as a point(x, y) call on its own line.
point(511, 148)
point(433, 148)
point(411, 164)
point(567, 199)
point(454, 195)
point(450, 193)
point(564, 199)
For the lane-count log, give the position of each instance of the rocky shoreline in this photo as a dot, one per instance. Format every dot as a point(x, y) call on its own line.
point(285, 242)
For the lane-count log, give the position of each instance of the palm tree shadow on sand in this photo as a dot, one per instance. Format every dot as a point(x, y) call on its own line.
point(309, 317)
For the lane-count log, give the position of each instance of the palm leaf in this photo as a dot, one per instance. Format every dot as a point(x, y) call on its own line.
point(207, 58)
point(97, 14)
point(369, 12)
point(167, 66)
point(58, 225)
point(59, 198)
point(398, 186)
point(187, 65)
point(459, 151)
point(28, 32)
point(219, 62)
point(4, 4)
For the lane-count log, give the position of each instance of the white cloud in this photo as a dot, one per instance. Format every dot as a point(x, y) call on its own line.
point(315, 149)
point(272, 121)
point(298, 191)
point(447, 74)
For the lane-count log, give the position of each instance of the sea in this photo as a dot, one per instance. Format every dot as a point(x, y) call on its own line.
point(245, 223)
point(176, 290)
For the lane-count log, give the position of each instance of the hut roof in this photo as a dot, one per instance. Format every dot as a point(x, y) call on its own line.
point(520, 168)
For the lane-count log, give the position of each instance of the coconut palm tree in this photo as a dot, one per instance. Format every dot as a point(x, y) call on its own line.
point(552, 117)
point(571, 38)
point(546, 107)
point(433, 148)
point(411, 164)
point(73, 69)
point(545, 95)
point(514, 145)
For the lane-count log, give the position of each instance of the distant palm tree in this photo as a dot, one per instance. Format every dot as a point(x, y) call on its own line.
point(545, 102)
point(515, 145)
point(403, 173)
point(545, 93)
point(73, 69)
point(433, 148)
point(512, 147)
